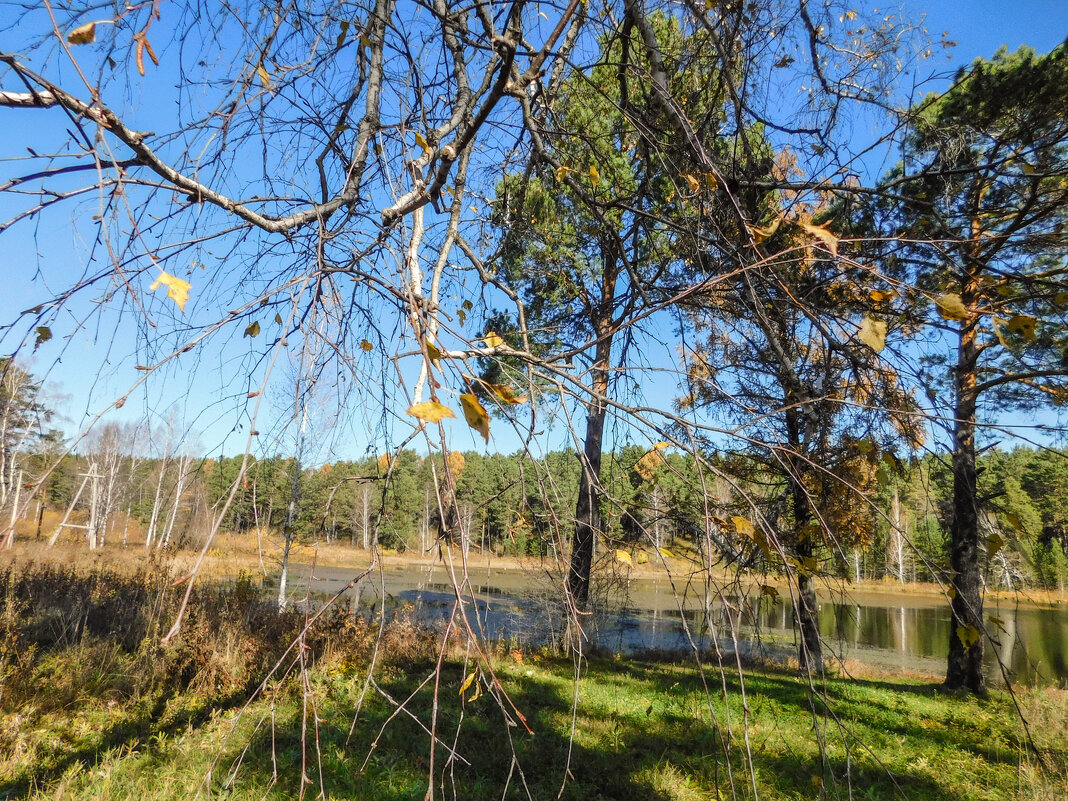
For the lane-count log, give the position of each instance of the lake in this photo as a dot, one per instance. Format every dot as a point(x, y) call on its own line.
point(885, 628)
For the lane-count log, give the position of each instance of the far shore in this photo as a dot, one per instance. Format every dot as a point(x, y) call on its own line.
point(231, 555)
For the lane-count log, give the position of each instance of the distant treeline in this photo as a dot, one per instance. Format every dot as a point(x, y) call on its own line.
point(519, 505)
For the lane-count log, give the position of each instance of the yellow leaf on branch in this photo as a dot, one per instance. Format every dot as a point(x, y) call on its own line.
point(951, 307)
point(823, 235)
point(873, 333)
point(493, 340)
point(83, 34)
point(624, 557)
point(476, 415)
point(430, 411)
point(1024, 326)
point(177, 289)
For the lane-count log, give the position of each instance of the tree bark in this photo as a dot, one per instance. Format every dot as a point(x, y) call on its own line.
point(588, 507)
point(806, 612)
point(964, 669)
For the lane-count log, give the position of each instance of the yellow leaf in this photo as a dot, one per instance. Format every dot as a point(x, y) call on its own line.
point(824, 236)
point(383, 462)
point(882, 295)
point(951, 593)
point(968, 635)
point(873, 333)
point(1024, 326)
point(743, 526)
point(468, 682)
point(177, 289)
point(476, 415)
point(760, 233)
point(83, 34)
point(493, 340)
point(367, 346)
point(951, 307)
point(265, 77)
point(994, 543)
point(1015, 521)
point(505, 394)
point(695, 185)
point(710, 179)
point(431, 411)
point(421, 141)
point(624, 557)
point(666, 552)
point(595, 177)
point(661, 445)
point(432, 351)
point(253, 330)
point(561, 172)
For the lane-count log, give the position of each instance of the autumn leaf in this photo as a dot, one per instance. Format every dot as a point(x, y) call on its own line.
point(1024, 326)
point(421, 141)
point(253, 330)
point(873, 333)
point(430, 411)
point(694, 184)
point(968, 635)
point(177, 289)
point(760, 233)
point(624, 557)
point(383, 462)
point(823, 235)
point(743, 526)
point(476, 415)
point(769, 591)
point(561, 173)
point(44, 333)
point(505, 394)
point(265, 77)
point(367, 346)
point(468, 682)
point(951, 307)
point(83, 34)
point(882, 295)
point(595, 176)
point(994, 543)
point(432, 351)
point(492, 340)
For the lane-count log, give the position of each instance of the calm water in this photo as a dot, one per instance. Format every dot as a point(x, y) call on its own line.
point(904, 630)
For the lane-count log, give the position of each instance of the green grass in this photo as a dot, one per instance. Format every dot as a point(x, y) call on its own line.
point(92, 706)
point(642, 730)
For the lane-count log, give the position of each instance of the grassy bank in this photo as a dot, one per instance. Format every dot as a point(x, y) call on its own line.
point(92, 705)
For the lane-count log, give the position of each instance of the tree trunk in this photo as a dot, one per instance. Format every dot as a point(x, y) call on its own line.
point(964, 667)
point(287, 533)
point(806, 612)
point(588, 507)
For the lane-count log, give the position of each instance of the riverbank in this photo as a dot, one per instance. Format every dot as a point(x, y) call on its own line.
point(231, 555)
point(93, 705)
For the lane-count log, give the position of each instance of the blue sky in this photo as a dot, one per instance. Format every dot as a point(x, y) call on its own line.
point(96, 363)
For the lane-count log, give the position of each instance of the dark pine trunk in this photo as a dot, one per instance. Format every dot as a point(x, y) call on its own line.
point(810, 652)
point(588, 507)
point(964, 669)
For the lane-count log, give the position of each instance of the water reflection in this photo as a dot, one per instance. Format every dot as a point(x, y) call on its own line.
point(1032, 643)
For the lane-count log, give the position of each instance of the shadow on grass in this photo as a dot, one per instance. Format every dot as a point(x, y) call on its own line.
point(642, 731)
point(131, 733)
